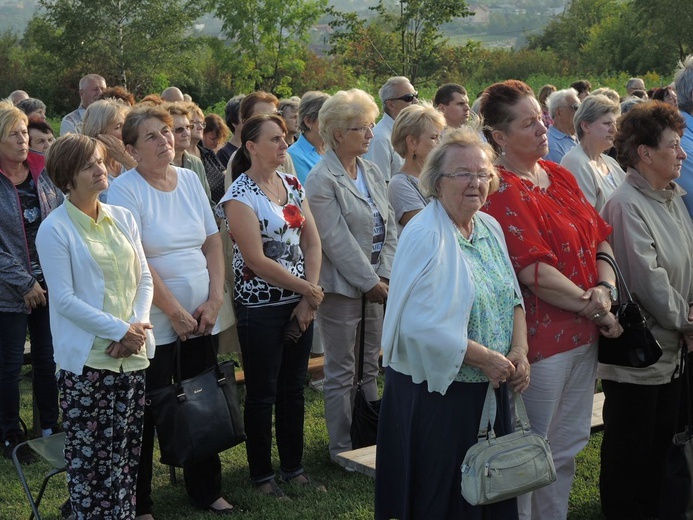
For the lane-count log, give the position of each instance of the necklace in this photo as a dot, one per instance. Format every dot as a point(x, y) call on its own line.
point(266, 187)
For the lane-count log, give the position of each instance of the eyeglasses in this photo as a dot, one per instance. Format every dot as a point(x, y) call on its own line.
point(201, 124)
point(363, 129)
point(181, 129)
point(574, 106)
point(465, 176)
point(407, 98)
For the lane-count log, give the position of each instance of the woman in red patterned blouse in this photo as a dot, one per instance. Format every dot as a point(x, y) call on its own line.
point(553, 235)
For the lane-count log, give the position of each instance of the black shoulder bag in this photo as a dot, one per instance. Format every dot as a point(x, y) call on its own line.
point(198, 417)
point(636, 347)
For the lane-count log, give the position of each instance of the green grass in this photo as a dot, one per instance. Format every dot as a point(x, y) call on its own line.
point(349, 495)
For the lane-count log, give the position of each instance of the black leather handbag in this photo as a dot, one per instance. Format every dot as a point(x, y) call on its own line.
point(198, 417)
point(636, 347)
point(364, 417)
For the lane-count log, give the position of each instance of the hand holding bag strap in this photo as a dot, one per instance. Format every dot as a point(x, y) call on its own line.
point(620, 281)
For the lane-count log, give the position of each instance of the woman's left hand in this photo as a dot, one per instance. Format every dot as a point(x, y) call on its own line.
point(519, 381)
point(609, 326)
point(206, 316)
point(305, 314)
point(118, 351)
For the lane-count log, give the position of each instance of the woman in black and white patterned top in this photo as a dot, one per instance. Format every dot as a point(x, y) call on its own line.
point(276, 264)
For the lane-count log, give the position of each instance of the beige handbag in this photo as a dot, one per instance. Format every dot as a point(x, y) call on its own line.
point(498, 468)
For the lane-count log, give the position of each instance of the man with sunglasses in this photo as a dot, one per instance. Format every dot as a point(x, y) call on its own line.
point(396, 94)
point(562, 106)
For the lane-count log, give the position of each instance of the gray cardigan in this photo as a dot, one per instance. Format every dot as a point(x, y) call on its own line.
point(15, 271)
point(345, 223)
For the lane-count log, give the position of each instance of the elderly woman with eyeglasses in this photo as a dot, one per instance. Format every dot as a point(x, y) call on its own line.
point(442, 347)
point(348, 197)
point(214, 170)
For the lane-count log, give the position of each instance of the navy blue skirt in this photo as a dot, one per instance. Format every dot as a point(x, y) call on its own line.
point(422, 440)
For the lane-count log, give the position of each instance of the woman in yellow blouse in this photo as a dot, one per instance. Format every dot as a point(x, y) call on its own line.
point(100, 291)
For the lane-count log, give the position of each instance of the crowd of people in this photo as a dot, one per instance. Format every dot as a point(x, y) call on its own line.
point(458, 242)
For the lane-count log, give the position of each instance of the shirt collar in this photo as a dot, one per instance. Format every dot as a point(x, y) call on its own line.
point(83, 220)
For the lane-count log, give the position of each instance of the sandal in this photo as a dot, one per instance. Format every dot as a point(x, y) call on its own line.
point(317, 385)
point(272, 489)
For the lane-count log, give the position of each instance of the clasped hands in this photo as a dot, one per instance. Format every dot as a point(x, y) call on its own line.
point(598, 310)
point(131, 343)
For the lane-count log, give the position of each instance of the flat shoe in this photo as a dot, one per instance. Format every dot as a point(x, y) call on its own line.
point(304, 480)
point(272, 489)
point(223, 512)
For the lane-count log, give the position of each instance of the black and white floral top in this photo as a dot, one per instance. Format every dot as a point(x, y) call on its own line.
point(280, 228)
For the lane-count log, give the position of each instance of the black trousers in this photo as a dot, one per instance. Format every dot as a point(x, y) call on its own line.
point(202, 479)
point(639, 422)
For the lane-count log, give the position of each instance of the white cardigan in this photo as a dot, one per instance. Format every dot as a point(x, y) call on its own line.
point(76, 288)
point(430, 299)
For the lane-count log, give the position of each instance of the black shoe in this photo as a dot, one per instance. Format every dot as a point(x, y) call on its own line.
point(24, 454)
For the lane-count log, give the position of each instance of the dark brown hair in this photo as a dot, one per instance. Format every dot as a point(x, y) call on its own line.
point(644, 124)
point(496, 104)
point(250, 132)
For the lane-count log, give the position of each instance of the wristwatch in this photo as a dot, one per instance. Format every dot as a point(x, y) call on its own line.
point(613, 292)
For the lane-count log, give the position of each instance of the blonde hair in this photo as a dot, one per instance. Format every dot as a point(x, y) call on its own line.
point(10, 116)
point(102, 113)
point(413, 120)
point(342, 109)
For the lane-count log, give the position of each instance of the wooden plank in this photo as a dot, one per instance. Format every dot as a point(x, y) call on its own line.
point(314, 364)
point(597, 420)
point(361, 460)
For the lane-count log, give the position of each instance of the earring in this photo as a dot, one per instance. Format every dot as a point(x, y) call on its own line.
point(502, 151)
point(414, 156)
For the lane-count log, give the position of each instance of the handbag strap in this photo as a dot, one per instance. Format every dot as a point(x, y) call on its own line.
point(362, 340)
point(490, 414)
point(178, 380)
point(620, 281)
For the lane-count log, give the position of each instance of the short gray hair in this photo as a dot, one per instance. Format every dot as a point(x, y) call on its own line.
point(592, 108)
point(634, 83)
point(388, 90)
point(683, 81)
point(557, 99)
point(89, 78)
point(309, 108)
point(629, 103)
point(31, 105)
point(463, 137)
point(342, 109)
point(608, 92)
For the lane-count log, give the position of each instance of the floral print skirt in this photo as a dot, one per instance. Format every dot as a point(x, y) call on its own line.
point(103, 417)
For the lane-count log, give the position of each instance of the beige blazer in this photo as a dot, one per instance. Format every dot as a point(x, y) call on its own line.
point(345, 223)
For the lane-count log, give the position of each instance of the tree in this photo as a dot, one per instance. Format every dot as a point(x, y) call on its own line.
point(416, 22)
point(267, 37)
point(127, 41)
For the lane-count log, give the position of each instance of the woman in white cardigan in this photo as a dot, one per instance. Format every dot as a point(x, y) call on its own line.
point(100, 291)
point(454, 323)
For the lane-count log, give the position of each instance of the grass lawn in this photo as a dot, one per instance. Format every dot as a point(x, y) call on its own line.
point(349, 495)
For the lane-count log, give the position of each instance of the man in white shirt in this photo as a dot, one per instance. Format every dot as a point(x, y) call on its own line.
point(396, 94)
point(91, 87)
point(562, 106)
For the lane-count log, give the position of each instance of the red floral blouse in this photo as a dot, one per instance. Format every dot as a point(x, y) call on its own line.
point(559, 227)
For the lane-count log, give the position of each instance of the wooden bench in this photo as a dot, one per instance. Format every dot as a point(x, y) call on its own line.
point(314, 364)
point(363, 459)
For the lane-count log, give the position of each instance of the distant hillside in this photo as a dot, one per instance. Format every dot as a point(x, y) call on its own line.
point(496, 23)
